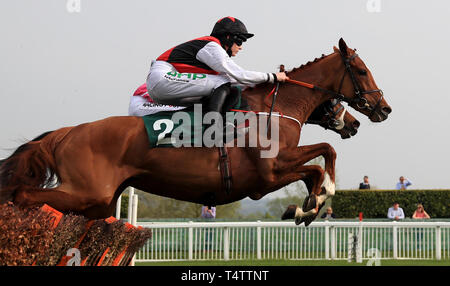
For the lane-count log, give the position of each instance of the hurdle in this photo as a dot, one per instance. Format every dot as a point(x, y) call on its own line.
point(131, 218)
point(46, 236)
point(111, 252)
point(131, 194)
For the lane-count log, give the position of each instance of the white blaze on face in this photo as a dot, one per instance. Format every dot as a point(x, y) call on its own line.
point(341, 120)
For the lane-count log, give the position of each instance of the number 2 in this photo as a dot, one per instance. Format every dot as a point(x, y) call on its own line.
point(157, 126)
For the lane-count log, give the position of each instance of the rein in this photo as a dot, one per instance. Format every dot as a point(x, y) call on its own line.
point(359, 99)
point(274, 98)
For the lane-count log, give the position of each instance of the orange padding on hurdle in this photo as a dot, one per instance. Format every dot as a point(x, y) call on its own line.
point(66, 258)
point(119, 257)
point(109, 220)
point(124, 251)
point(56, 214)
point(103, 257)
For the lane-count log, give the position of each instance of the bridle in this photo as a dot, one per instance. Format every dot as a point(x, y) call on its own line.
point(330, 115)
point(359, 99)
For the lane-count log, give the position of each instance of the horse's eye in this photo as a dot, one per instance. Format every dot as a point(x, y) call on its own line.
point(362, 72)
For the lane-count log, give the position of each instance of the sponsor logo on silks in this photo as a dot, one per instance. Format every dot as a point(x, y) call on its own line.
point(192, 76)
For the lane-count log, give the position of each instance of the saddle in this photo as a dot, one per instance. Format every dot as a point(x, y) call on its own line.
point(159, 127)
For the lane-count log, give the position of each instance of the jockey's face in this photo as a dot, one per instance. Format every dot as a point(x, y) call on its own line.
point(235, 49)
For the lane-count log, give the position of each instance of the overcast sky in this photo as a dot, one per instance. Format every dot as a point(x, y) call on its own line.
point(59, 68)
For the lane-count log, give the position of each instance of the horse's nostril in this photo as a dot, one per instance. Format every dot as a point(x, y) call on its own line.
point(386, 110)
point(356, 124)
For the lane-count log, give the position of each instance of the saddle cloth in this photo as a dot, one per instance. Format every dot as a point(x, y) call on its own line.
point(160, 126)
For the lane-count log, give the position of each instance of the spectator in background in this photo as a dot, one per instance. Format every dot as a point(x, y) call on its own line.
point(365, 184)
point(328, 214)
point(208, 213)
point(395, 212)
point(420, 213)
point(403, 183)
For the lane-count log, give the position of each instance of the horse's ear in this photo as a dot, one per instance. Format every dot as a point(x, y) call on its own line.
point(336, 50)
point(343, 47)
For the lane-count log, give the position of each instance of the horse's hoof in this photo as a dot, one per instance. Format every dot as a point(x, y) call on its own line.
point(298, 220)
point(308, 220)
point(311, 204)
point(289, 213)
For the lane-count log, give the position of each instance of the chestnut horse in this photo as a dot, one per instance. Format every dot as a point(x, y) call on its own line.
point(83, 169)
point(333, 115)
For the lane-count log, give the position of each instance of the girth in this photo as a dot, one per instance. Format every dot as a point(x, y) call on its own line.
point(225, 169)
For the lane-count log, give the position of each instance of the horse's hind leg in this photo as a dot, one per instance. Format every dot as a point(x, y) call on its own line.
point(317, 200)
point(31, 197)
point(60, 200)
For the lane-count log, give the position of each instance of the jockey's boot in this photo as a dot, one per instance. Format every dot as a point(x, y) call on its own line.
point(232, 99)
point(218, 98)
point(220, 101)
point(239, 128)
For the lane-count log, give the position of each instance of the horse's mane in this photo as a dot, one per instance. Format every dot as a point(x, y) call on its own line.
point(308, 64)
point(295, 69)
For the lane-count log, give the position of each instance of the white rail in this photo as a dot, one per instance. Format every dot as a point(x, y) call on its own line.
point(285, 240)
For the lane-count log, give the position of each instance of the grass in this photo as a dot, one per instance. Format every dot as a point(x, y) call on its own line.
point(390, 262)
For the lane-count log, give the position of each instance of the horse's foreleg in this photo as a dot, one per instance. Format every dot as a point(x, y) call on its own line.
point(309, 152)
point(291, 158)
point(315, 175)
point(320, 183)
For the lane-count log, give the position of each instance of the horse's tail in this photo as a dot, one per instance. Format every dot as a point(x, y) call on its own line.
point(32, 165)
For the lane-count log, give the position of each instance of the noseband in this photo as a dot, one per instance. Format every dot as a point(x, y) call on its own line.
point(333, 123)
point(330, 115)
point(359, 99)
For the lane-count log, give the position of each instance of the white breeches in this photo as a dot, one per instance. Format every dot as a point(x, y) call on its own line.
point(139, 106)
point(164, 83)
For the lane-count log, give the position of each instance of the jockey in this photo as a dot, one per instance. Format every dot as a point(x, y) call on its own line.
point(202, 71)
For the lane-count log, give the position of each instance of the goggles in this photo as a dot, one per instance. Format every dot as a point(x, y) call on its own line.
point(239, 39)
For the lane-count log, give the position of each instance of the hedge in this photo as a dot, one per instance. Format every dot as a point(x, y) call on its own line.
point(375, 203)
